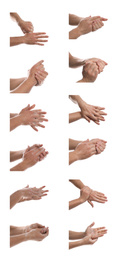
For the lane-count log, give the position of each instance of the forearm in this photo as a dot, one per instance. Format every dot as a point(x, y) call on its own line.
point(74, 34)
point(72, 157)
point(15, 17)
point(16, 155)
point(17, 239)
point(15, 122)
point(83, 80)
point(77, 99)
point(15, 198)
point(73, 144)
point(17, 230)
point(74, 19)
point(79, 184)
point(26, 86)
point(75, 62)
point(19, 167)
point(14, 83)
point(74, 116)
point(13, 115)
point(75, 203)
point(76, 235)
point(76, 244)
point(17, 40)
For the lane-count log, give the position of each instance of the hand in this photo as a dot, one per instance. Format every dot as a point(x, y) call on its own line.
point(33, 226)
point(85, 193)
point(90, 72)
point(35, 38)
point(84, 150)
point(85, 25)
point(31, 157)
point(37, 68)
point(39, 235)
point(32, 193)
point(100, 145)
point(26, 27)
point(37, 147)
point(100, 63)
point(40, 76)
point(32, 118)
point(95, 232)
point(96, 196)
point(93, 113)
point(87, 240)
point(97, 22)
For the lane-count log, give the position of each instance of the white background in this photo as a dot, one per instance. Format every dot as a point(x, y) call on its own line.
point(98, 172)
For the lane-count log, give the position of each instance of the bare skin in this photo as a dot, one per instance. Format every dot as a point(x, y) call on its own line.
point(88, 112)
point(27, 194)
point(85, 25)
point(85, 149)
point(25, 26)
point(86, 194)
point(36, 76)
point(34, 232)
point(91, 67)
point(30, 37)
point(30, 157)
point(27, 116)
point(88, 237)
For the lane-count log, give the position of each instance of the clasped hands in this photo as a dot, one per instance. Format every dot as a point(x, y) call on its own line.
point(91, 67)
point(30, 157)
point(85, 25)
point(86, 149)
point(37, 73)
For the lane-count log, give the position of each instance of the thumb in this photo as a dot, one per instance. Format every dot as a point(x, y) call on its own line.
point(91, 203)
point(92, 224)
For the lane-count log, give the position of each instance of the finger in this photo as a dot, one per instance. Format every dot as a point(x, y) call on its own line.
point(87, 118)
point(34, 128)
point(43, 119)
point(43, 126)
point(38, 41)
point(90, 202)
point(39, 33)
point(39, 63)
point(92, 224)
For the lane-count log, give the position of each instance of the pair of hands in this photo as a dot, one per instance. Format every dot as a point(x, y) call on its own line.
point(91, 69)
point(87, 194)
point(87, 25)
point(30, 37)
point(92, 113)
point(37, 73)
point(33, 154)
point(37, 232)
point(89, 112)
point(88, 148)
point(92, 234)
point(34, 118)
point(34, 193)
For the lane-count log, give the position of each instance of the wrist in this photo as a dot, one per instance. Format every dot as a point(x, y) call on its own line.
point(82, 199)
point(31, 79)
point(83, 80)
point(77, 155)
point(23, 166)
point(74, 156)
